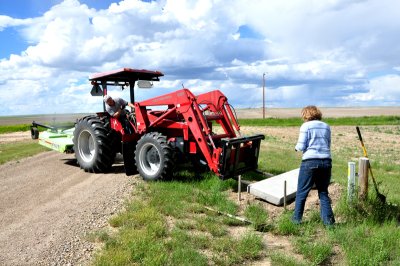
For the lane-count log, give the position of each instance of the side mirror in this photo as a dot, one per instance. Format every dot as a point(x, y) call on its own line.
point(144, 84)
point(96, 90)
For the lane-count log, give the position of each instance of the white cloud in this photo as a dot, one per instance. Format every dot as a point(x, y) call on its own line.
point(311, 51)
point(6, 21)
point(384, 90)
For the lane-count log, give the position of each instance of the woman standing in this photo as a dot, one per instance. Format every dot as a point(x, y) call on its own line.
point(316, 166)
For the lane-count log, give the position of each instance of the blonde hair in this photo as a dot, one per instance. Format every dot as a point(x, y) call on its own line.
point(310, 113)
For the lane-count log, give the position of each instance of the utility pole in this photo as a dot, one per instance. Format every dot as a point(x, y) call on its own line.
point(263, 95)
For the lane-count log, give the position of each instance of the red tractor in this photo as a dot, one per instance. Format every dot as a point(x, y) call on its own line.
point(179, 128)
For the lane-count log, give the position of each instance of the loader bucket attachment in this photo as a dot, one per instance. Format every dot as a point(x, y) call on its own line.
point(239, 155)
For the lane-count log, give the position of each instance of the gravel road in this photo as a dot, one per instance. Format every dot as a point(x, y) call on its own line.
point(48, 206)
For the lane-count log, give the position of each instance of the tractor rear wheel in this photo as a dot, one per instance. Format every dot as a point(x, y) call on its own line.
point(94, 145)
point(154, 157)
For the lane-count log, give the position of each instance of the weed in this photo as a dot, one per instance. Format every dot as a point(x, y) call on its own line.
point(114, 256)
point(234, 251)
point(371, 210)
point(183, 238)
point(282, 259)
point(249, 246)
point(316, 251)
point(187, 256)
point(364, 246)
point(185, 225)
point(257, 215)
point(211, 225)
point(314, 216)
point(285, 226)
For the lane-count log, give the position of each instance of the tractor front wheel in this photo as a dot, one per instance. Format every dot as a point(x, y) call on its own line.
point(154, 157)
point(93, 145)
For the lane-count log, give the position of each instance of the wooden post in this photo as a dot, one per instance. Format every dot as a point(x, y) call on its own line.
point(239, 187)
point(351, 182)
point(363, 164)
point(284, 195)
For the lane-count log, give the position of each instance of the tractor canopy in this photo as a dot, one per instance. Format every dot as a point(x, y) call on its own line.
point(126, 75)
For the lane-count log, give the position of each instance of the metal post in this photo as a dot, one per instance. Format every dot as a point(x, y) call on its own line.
point(104, 85)
point(263, 95)
point(239, 188)
point(132, 91)
point(351, 181)
point(363, 177)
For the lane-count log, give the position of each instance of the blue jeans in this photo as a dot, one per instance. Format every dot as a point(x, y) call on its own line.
point(316, 171)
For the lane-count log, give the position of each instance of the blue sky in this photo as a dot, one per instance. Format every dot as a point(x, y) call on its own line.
point(327, 53)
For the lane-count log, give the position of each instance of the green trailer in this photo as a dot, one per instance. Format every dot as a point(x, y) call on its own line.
point(55, 138)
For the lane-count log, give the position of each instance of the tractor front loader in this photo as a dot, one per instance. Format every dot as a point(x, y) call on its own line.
point(164, 130)
point(187, 126)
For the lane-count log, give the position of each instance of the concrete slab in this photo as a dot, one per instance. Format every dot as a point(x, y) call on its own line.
point(272, 189)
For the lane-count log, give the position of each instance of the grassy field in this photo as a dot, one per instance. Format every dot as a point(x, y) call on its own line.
point(367, 233)
point(166, 223)
point(14, 128)
point(18, 150)
point(7, 126)
point(340, 121)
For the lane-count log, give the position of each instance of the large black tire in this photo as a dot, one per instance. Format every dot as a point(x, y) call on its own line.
point(34, 133)
point(154, 157)
point(94, 144)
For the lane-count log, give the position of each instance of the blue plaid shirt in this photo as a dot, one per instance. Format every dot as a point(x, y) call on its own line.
point(314, 140)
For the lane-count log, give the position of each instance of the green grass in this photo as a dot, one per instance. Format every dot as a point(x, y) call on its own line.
point(169, 218)
point(14, 128)
point(165, 223)
point(342, 121)
point(257, 215)
point(279, 258)
point(366, 244)
point(19, 150)
point(25, 127)
point(314, 249)
point(372, 220)
point(284, 226)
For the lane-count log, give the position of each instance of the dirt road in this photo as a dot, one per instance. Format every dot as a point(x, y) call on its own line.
point(48, 205)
